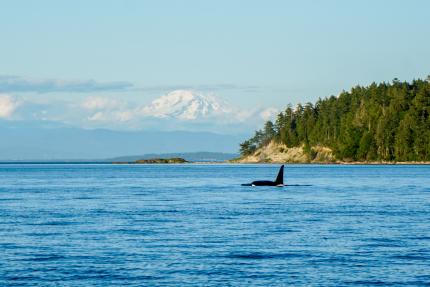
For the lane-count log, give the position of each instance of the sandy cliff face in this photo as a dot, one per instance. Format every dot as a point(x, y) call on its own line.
point(280, 153)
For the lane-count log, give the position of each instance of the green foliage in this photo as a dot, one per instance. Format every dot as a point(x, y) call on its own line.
point(247, 147)
point(387, 121)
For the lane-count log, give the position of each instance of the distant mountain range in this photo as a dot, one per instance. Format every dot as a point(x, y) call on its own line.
point(29, 142)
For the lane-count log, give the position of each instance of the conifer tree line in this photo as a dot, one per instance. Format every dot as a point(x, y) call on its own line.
point(380, 122)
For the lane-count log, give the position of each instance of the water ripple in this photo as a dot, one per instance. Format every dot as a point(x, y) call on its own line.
point(107, 225)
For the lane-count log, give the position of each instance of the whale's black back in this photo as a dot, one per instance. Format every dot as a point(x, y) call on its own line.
point(278, 182)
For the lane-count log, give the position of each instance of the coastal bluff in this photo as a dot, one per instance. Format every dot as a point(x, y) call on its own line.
point(276, 152)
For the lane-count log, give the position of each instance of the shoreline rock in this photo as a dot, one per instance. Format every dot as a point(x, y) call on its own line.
point(156, 161)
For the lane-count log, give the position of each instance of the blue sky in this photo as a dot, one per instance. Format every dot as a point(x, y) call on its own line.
point(253, 54)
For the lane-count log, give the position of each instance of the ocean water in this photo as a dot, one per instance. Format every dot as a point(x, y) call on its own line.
point(195, 225)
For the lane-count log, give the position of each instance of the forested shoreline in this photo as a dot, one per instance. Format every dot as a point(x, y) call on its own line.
point(379, 122)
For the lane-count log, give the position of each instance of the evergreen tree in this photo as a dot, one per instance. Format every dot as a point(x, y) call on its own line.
point(386, 121)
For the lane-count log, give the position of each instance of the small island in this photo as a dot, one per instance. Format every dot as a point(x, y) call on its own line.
point(154, 161)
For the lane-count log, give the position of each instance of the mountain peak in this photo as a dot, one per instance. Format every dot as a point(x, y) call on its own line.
point(186, 105)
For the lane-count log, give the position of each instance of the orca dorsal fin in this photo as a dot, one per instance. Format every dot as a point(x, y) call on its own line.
point(280, 178)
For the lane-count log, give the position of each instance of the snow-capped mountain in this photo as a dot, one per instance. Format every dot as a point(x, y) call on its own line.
point(186, 105)
point(178, 110)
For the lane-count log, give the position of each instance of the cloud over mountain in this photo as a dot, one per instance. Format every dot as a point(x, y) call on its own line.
point(185, 107)
point(177, 110)
point(110, 105)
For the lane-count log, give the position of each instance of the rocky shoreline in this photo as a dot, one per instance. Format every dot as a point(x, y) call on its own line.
point(279, 153)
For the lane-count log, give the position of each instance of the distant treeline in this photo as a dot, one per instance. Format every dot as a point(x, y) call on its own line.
point(387, 121)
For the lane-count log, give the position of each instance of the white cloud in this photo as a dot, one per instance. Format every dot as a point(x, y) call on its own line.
point(8, 105)
point(109, 116)
point(108, 110)
point(99, 116)
point(124, 116)
point(269, 113)
point(102, 103)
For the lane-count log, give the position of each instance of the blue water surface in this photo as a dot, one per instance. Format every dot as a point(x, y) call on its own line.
point(195, 225)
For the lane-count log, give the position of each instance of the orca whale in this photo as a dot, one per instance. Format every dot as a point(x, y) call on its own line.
point(278, 182)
